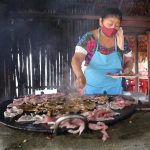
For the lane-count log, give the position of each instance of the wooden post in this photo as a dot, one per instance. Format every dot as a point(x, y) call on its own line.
point(148, 55)
point(136, 64)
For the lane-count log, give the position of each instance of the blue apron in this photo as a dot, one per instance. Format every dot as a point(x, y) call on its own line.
point(96, 80)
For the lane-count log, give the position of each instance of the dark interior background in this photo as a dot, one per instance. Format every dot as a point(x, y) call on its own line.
point(38, 37)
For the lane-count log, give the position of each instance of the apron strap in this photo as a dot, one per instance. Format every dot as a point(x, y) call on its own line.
point(97, 46)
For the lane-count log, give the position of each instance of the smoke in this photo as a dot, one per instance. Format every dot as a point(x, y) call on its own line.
point(67, 82)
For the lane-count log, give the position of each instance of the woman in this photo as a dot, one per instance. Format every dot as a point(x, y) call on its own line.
point(102, 50)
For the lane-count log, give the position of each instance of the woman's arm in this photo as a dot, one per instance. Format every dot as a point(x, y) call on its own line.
point(77, 59)
point(124, 48)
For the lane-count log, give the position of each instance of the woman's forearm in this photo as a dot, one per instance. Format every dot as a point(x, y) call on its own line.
point(77, 59)
point(76, 66)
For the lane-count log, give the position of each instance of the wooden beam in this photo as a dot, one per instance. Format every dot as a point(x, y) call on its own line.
point(44, 14)
point(136, 23)
point(139, 22)
point(148, 54)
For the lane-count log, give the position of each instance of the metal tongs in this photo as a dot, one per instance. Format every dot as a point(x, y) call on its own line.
point(66, 117)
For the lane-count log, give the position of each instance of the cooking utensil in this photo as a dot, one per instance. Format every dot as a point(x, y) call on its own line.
point(123, 76)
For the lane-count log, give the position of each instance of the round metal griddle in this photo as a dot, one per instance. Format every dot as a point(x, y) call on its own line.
point(124, 113)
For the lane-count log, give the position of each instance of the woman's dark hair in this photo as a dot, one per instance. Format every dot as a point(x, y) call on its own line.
point(112, 12)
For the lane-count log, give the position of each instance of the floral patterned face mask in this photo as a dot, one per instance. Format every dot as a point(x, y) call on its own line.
point(108, 31)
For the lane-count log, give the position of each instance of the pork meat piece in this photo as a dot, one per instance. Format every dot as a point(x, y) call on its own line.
point(120, 104)
point(16, 102)
point(67, 124)
point(102, 127)
point(101, 115)
point(26, 118)
point(34, 99)
point(12, 112)
point(73, 124)
point(79, 123)
point(44, 119)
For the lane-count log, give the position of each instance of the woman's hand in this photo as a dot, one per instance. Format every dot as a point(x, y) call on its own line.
point(80, 82)
point(128, 66)
point(120, 38)
point(127, 71)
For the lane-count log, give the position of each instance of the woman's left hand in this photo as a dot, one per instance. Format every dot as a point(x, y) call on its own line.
point(127, 71)
point(120, 38)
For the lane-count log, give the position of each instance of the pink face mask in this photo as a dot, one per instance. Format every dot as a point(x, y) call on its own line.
point(108, 31)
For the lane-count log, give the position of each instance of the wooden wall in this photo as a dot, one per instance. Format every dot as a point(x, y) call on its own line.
point(37, 54)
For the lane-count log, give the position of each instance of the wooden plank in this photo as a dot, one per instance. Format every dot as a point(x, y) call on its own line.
point(141, 22)
point(136, 23)
point(148, 53)
point(136, 66)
